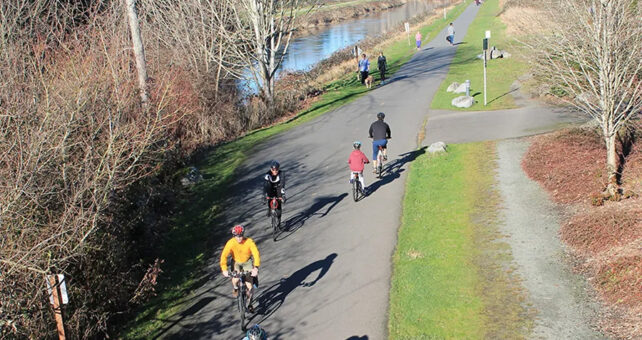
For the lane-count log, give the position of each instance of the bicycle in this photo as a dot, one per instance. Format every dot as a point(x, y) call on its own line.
point(275, 215)
point(357, 190)
point(380, 161)
point(243, 301)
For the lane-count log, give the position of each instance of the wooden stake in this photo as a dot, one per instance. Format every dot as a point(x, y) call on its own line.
point(57, 305)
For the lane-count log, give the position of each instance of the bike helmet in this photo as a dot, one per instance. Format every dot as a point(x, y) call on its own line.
point(381, 115)
point(275, 165)
point(356, 144)
point(256, 333)
point(238, 230)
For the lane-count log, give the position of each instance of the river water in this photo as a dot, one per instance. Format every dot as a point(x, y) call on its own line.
point(305, 51)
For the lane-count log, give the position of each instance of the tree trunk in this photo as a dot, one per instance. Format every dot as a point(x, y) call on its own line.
point(611, 166)
point(139, 52)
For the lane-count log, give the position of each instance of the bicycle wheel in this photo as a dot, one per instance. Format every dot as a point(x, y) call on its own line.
point(241, 303)
point(275, 225)
point(355, 190)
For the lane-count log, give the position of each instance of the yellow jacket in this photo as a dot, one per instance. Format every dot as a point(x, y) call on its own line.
point(241, 252)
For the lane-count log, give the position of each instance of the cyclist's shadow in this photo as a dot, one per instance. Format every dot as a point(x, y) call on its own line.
point(272, 298)
point(394, 168)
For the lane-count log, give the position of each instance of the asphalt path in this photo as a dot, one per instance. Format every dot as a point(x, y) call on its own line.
point(328, 275)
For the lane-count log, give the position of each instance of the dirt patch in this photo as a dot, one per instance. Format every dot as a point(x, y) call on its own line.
point(607, 240)
point(570, 164)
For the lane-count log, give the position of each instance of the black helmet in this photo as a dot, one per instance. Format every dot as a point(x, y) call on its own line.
point(381, 115)
point(256, 333)
point(275, 165)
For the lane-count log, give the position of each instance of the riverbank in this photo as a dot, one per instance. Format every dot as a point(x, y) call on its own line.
point(336, 12)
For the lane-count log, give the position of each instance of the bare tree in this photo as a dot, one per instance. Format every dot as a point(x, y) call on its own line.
point(262, 35)
point(591, 55)
point(139, 51)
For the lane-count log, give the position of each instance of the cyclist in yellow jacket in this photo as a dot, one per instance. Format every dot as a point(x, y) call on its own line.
point(241, 248)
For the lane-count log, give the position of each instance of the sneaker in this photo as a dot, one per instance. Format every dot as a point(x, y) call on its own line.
point(385, 158)
point(374, 171)
point(235, 294)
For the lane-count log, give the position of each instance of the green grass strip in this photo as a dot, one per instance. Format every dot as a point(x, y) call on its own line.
point(435, 285)
point(187, 246)
point(501, 73)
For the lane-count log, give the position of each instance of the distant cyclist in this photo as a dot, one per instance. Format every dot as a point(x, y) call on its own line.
point(274, 185)
point(357, 160)
point(242, 249)
point(255, 333)
point(380, 133)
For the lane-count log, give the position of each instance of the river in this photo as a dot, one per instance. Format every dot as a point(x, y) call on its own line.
point(305, 51)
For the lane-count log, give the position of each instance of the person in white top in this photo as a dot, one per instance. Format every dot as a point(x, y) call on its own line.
point(451, 34)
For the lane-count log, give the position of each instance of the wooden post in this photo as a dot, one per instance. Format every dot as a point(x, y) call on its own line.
point(57, 305)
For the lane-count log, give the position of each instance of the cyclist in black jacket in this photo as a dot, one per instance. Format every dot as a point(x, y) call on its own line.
point(380, 133)
point(274, 185)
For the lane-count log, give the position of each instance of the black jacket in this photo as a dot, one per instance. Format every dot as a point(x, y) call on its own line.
point(382, 64)
point(273, 185)
point(379, 130)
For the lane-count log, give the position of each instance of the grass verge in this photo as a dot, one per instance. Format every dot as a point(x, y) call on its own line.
point(451, 276)
point(501, 73)
point(195, 229)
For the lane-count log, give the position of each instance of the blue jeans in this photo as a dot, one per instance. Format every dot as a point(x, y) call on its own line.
point(375, 147)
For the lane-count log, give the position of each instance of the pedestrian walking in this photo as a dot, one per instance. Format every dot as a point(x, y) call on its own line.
point(451, 34)
point(418, 40)
point(364, 68)
point(382, 64)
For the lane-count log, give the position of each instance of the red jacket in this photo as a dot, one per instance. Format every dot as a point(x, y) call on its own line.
point(357, 160)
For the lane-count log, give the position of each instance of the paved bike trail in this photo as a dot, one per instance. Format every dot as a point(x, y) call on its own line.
point(328, 275)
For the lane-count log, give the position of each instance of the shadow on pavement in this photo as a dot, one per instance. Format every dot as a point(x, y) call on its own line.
point(356, 337)
point(297, 221)
point(394, 169)
point(272, 298)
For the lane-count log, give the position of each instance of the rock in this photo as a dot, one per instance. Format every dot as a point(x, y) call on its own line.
point(505, 54)
point(463, 101)
point(495, 54)
point(452, 87)
point(461, 88)
point(437, 147)
point(193, 176)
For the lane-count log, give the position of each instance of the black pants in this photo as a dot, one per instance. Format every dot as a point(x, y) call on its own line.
point(273, 191)
point(364, 75)
point(382, 72)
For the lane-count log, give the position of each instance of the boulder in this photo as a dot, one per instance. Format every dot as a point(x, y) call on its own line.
point(463, 101)
point(452, 87)
point(437, 147)
point(461, 88)
point(505, 54)
point(495, 54)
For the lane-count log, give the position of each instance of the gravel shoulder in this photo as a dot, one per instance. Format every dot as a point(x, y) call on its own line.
point(531, 222)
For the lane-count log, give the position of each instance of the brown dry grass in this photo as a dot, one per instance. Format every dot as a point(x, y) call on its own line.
point(606, 239)
point(521, 20)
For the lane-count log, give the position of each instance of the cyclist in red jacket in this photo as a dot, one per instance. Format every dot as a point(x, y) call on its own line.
point(357, 160)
